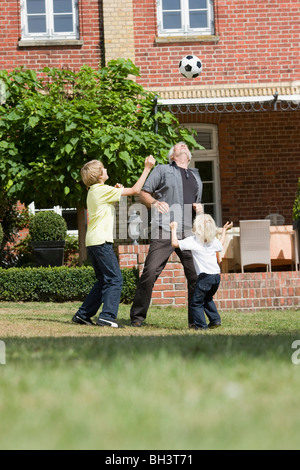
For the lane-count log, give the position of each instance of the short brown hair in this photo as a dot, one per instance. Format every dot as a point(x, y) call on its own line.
point(91, 172)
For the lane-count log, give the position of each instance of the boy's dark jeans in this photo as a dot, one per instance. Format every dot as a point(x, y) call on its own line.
point(206, 287)
point(107, 289)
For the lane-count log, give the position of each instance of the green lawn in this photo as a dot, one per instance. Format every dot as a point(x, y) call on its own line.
point(161, 387)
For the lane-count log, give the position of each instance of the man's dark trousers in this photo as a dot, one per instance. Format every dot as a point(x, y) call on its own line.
point(159, 253)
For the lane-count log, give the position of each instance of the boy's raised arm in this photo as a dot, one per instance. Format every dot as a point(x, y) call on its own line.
point(136, 188)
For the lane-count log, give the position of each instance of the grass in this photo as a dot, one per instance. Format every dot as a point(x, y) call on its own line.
point(161, 387)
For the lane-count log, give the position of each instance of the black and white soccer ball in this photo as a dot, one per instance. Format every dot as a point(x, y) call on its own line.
point(190, 66)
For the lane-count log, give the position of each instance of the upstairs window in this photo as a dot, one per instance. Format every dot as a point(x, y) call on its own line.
point(49, 19)
point(185, 17)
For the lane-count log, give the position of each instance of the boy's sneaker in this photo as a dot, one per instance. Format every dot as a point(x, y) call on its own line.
point(110, 323)
point(82, 320)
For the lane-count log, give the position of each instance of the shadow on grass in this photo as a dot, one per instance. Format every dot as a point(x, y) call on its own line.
point(124, 349)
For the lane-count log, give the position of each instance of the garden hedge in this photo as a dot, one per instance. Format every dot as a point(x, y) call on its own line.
point(60, 284)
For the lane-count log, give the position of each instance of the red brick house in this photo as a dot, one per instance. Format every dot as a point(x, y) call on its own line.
point(250, 53)
point(245, 106)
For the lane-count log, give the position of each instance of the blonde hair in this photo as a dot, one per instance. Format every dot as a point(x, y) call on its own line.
point(205, 228)
point(91, 172)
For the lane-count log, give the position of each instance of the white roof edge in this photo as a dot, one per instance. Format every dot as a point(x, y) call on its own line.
point(233, 99)
point(289, 97)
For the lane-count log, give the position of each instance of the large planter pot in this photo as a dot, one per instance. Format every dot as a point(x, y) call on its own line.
point(49, 253)
point(296, 227)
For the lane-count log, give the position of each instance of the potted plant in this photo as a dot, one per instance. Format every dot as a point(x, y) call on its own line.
point(296, 217)
point(48, 232)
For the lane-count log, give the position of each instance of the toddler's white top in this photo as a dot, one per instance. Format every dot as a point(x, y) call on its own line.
point(204, 255)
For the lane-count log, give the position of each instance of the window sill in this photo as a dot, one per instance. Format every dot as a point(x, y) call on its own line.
point(186, 38)
point(49, 42)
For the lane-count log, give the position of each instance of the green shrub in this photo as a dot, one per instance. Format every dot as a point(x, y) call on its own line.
point(296, 208)
point(1, 234)
point(47, 226)
point(61, 284)
point(130, 281)
point(71, 253)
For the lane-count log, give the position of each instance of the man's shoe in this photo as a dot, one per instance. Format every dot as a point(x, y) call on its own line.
point(82, 320)
point(137, 324)
point(217, 324)
point(111, 324)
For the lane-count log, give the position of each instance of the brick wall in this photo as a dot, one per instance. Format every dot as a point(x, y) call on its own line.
point(37, 57)
point(257, 42)
point(260, 153)
point(276, 290)
point(248, 291)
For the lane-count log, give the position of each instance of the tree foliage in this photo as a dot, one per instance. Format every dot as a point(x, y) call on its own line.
point(296, 208)
point(53, 122)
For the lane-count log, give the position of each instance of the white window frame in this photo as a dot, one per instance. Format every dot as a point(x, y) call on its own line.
point(185, 21)
point(211, 155)
point(49, 34)
point(57, 209)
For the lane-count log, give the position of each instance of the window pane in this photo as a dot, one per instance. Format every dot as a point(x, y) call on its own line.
point(197, 4)
point(63, 23)
point(37, 24)
point(62, 6)
point(171, 4)
point(36, 6)
point(70, 217)
point(208, 193)
point(172, 20)
point(205, 170)
point(204, 139)
point(198, 19)
point(210, 209)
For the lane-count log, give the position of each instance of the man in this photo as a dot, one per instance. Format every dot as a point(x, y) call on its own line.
point(173, 192)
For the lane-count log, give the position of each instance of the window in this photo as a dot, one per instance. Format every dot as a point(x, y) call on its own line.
point(207, 162)
point(49, 19)
point(185, 17)
point(69, 214)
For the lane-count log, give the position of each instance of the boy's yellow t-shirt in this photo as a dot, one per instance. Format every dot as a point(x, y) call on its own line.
point(101, 212)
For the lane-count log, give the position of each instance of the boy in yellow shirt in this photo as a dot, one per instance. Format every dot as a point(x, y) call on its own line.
point(99, 241)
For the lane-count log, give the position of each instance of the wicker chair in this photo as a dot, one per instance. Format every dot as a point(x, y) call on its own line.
point(255, 243)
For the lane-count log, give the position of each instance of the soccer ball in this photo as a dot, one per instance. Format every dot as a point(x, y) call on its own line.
point(190, 66)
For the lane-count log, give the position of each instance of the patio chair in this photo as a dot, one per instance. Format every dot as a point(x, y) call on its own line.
point(255, 243)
